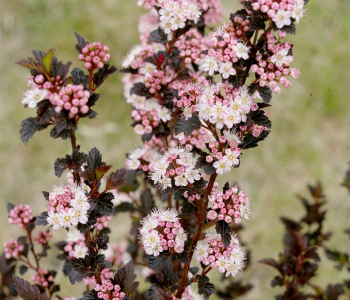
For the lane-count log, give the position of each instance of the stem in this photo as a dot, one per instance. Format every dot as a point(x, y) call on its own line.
point(29, 234)
point(73, 141)
point(169, 201)
point(197, 234)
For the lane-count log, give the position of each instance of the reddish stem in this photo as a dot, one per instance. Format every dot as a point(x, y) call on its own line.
point(197, 234)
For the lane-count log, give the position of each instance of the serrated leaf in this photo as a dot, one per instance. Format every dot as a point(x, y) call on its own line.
point(94, 159)
point(102, 241)
point(266, 93)
point(28, 291)
point(155, 262)
point(124, 207)
point(104, 204)
point(291, 29)
point(42, 219)
point(225, 231)
point(79, 77)
point(157, 293)
point(158, 36)
point(270, 262)
point(28, 128)
point(140, 89)
point(103, 74)
point(75, 276)
point(116, 179)
point(101, 171)
point(10, 206)
point(47, 60)
point(187, 126)
point(81, 42)
point(205, 287)
point(60, 165)
point(23, 269)
point(251, 141)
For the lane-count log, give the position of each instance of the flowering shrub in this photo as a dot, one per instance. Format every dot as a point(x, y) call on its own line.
point(199, 100)
point(298, 263)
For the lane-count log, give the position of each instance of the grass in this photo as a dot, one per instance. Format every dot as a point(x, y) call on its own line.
point(309, 140)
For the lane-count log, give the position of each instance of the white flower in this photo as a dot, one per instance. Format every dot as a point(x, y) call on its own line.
point(222, 166)
point(164, 114)
point(148, 224)
point(133, 164)
point(74, 236)
point(128, 59)
point(151, 239)
point(280, 58)
point(80, 251)
point(33, 96)
point(181, 237)
point(282, 18)
point(222, 264)
point(137, 153)
point(168, 215)
point(146, 70)
point(80, 201)
point(231, 136)
point(54, 219)
point(298, 11)
point(81, 215)
point(209, 64)
point(245, 210)
point(201, 251)
point(232, 269)
point(232, 157)
point(68, 218)
point(238, 256)
point(241, 50)
point(226, 69)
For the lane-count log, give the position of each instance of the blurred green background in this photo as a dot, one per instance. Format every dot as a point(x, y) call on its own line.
point(309, 139)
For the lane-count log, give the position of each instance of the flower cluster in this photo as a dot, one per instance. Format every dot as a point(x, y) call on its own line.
point(94, 55)
point(33, 96)
point(106, 274)
point(75, 245)
point(72, 98)
point(174, 14)
point(20, 215)
point(13, 249)
point(225, 160)
point(198, 138)
point(227, 49)
point(40, 88)
point(228, 205)
point(161, 231)
point(108, 291)
point(274, 68)
point(68, 205)
point(147, 113)
point(281, 12)
point(211, 251)
point(191, 45)
point(43, 237)
point(212, 10)
point(176, 167)
point(222, 105)
point(44, 277)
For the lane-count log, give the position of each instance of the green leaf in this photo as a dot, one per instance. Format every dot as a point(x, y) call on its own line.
point(47, 60)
